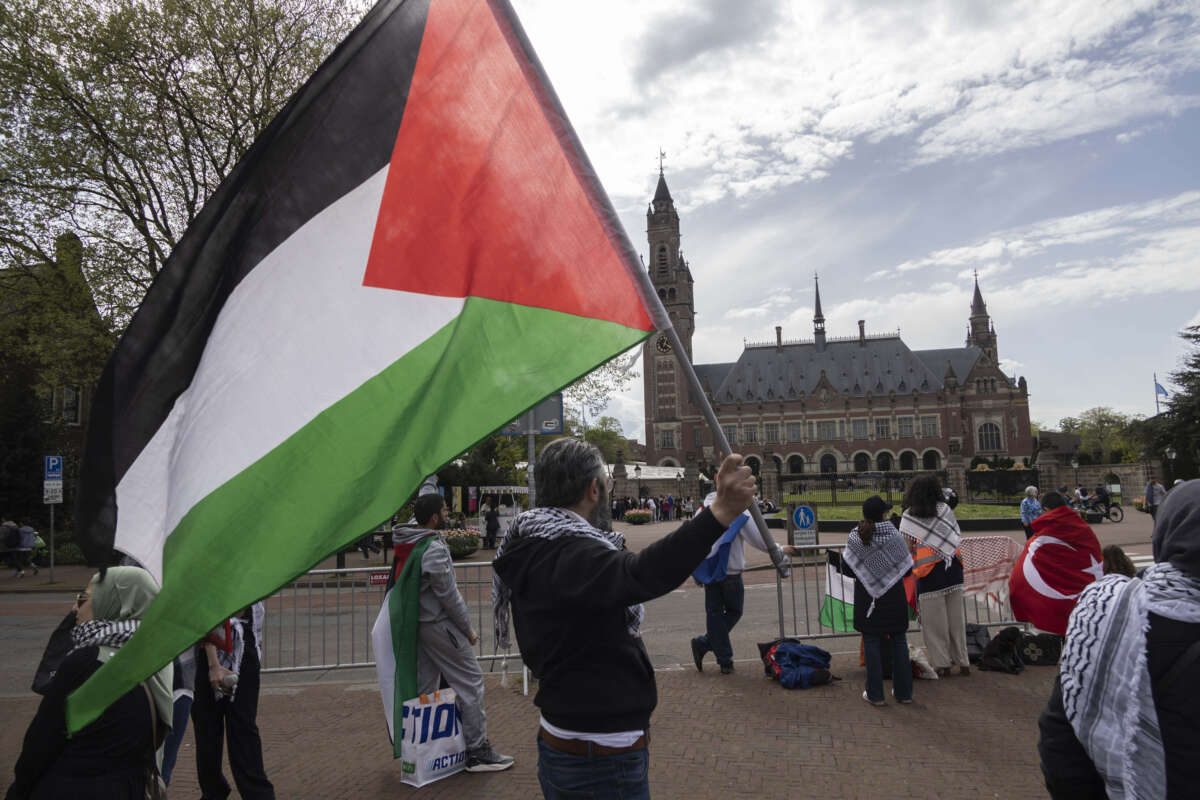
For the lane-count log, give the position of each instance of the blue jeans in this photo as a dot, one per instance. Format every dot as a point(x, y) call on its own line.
point(723, 605)
point(625, 776)
point(902, 679)
point(182, 710)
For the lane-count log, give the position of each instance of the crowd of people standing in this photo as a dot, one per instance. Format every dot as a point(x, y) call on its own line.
point(662, 508)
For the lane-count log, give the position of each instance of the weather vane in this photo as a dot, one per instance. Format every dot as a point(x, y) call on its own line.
point(662, 155)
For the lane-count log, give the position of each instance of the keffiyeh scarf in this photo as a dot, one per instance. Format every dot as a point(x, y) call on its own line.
point(103, 633)
point(881, 564)
point(1106, 686)
point(941, 531)
point(550, 524)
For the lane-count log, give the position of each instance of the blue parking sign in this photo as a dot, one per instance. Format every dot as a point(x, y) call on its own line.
point(54, 470)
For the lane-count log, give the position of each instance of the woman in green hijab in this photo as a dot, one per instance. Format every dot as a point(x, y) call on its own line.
point(112, 757)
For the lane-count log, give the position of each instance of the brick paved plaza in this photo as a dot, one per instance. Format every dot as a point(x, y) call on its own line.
point(712, 736)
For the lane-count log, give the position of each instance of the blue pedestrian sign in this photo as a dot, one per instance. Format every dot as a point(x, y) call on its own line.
point(804, 518)
point(54, 471)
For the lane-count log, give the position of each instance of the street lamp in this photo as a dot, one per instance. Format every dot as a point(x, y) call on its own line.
point(679, 489)
point(1075, 466)
point(1170, 454)
point(637, 473)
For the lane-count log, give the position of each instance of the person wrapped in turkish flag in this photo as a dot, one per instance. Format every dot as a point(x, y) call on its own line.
point(1061, 558)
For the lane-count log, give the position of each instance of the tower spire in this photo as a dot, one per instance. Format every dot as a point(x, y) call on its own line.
point(978, 307)
point(818, 317)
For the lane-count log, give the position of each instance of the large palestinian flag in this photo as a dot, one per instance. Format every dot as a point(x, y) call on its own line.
point(414, 252)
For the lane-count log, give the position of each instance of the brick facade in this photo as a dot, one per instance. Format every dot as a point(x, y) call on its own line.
point(827, 404)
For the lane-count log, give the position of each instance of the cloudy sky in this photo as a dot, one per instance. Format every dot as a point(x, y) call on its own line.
point(896, 147)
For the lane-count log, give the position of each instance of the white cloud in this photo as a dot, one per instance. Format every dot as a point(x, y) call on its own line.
point(749, 98)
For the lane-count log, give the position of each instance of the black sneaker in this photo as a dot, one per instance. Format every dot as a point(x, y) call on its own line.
point(727, 669)
point(485, 759)
point(698, 654)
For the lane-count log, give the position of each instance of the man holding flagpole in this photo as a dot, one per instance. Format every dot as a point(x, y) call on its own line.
point(576, 596)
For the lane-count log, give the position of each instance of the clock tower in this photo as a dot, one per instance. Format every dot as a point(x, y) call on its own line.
point(666, 398)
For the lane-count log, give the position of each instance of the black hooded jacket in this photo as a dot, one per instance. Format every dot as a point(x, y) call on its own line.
point(569, 597)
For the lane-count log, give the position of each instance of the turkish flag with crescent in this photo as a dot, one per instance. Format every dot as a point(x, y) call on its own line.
point(1062, 557)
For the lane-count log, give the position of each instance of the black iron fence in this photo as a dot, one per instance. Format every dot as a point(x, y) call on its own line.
point(999, 486)
point(850, 488)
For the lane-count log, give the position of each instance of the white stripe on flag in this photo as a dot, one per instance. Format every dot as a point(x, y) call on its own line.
point(385, 662)
point(299, 333)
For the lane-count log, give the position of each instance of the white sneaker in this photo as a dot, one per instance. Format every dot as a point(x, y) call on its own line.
point(872, 702)
point(898, 700)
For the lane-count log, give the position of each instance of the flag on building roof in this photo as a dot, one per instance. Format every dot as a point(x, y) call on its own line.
point(1159, 389)
point(415, 251)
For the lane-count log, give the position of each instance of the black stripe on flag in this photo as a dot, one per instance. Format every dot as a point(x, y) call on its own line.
point(334, 133)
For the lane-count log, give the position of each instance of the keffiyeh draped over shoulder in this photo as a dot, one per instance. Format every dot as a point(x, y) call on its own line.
point(881, 564)
point(550, 524)
point(941, 531)
point(1106, 683)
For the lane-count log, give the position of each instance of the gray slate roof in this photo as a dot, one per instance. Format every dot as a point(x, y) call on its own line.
point(883, 365)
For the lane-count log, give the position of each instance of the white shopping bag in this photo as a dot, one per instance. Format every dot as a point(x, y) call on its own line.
point(433, 745)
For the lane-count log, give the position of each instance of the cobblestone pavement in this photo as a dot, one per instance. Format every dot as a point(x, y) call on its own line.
point(712, 736)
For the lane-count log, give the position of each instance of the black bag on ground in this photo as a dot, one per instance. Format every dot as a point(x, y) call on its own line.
point(56, 650)
point(977, 641)
point(1040, 649)
point(1001, 654)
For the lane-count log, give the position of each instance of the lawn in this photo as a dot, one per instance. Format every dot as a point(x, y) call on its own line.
point(964, 511)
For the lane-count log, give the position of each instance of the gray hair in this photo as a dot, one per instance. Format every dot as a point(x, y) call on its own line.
point(564, 469)
point(1031, 491)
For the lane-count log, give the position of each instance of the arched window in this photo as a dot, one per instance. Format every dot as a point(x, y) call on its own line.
point(795, 464)
point(671, 294)
point(989, 436)
point(908, 461)
point(754, 465)
point(862, 462)
point(662, 255)
point(829, 463)
point(883, 462)
point(931, 460)
point(662, 294)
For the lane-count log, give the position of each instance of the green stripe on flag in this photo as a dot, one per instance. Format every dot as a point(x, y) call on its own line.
point(837, 614)
point(349, 468)
point(404, 606)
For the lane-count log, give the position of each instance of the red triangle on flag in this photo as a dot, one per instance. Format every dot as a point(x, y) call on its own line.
point(483, 197)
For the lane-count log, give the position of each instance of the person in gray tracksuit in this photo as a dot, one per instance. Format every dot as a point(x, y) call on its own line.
point(446, 638)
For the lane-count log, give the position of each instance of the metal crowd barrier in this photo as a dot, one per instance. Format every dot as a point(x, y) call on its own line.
point(323, 619)
point(803, 594)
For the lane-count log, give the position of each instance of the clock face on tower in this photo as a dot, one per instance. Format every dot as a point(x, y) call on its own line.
point(662, 345)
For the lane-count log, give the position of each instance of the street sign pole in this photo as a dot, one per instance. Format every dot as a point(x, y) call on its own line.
point(52, 495)
point(532, 442)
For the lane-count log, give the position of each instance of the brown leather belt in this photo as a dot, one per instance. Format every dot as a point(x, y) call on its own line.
point(582, 747)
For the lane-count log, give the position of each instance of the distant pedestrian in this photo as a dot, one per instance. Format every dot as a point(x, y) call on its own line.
point(491, 519)
point(110, 757)
point(931, 525)
point(1031, 509)
point(877, 557)
point(1155, 493)
point(724, 593)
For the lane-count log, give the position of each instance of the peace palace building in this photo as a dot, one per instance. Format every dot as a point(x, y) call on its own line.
point(830, 403)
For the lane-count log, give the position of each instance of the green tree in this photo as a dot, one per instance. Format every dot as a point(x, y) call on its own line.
point(590, 394)
point(607, 435)
point(1105, 431)
point(120, 118)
